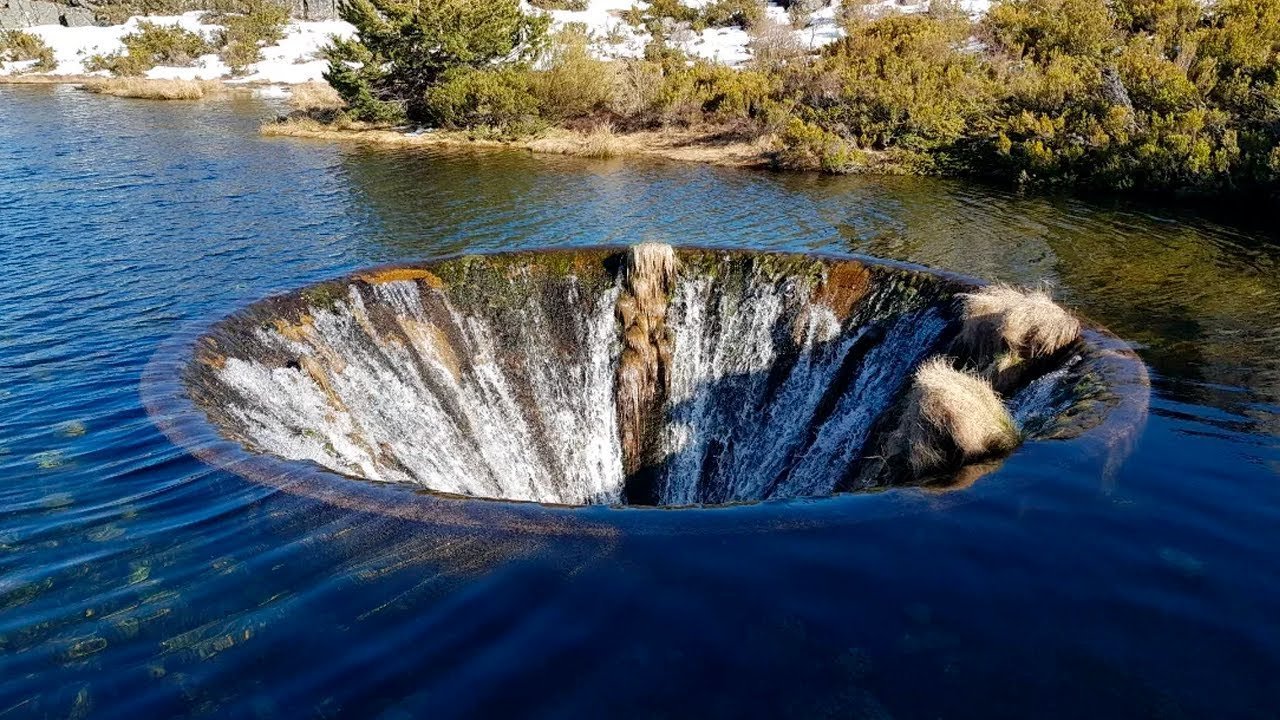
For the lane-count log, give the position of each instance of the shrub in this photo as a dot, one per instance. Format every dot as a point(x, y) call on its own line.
point(571, 5)
point(902, 83)
point(662, 15)
point(773, 45)
point(574, 84)
point(804, 146)
point(637, 85)
point(733, 13)
point(150, 46)
point(710, 92)
point(402, 50)
point(1041, 29)
point(249, 28)
point(492, 101)
point(19, 46)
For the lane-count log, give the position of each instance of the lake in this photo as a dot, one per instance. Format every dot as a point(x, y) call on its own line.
point(136, 581)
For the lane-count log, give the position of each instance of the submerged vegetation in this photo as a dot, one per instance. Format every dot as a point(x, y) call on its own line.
point(1129, 95)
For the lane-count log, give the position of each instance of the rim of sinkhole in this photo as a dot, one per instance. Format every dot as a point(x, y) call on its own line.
point(638, 376)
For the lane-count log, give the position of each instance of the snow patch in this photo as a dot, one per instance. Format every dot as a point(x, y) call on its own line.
point(295, 59)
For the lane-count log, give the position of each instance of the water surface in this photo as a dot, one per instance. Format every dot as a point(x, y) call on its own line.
point(137, 582)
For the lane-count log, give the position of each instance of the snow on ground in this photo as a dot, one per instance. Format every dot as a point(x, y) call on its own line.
point(616, 39)
point(296, 58)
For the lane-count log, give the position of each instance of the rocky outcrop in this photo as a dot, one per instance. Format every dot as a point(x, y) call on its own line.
point(315, 9)
point(29, 13)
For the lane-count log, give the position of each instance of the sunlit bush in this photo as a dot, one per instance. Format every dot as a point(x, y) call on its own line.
point(19, 46)
point(403, 50)
point(574, 83)
point(248, 28)
point(492, 102)
point(153, 45)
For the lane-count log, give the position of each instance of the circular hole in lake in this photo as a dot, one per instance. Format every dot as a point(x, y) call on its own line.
point(650, 376)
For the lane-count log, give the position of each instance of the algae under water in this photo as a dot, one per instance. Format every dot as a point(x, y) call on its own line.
point(137, 581)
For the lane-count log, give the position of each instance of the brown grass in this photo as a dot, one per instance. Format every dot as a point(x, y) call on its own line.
point(312, 96)
point(1000, 319)
point(601, 142)
point(689, 145)
point(40, 79)
point(153, 89)
point(952, 418)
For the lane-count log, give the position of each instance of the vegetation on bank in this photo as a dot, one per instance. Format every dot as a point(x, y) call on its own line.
point(19, 46)
point(155, 89)
point(1131, 95)
point(247, 27)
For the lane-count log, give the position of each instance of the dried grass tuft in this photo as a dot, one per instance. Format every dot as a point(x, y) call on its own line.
point(1001, 319)
point(155, 89)
point(312, 96)
point(952, 418)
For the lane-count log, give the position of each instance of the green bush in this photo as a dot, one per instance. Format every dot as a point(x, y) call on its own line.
point(19, 46)
point(572, 5)
point(1151, 95)
point(574, 84)
point(492, 102)
point(733, 13)
point(712, 93)
point(150, 46)
point(247, 29)
point(404, 49)
point(660, 16)
point(902, 83)
point(805, 146)
point(1041, 29)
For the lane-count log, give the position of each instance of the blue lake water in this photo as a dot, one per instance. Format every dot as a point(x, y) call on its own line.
point(135, 581)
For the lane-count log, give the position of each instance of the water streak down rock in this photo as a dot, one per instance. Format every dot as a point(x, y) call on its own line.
point(649, 376)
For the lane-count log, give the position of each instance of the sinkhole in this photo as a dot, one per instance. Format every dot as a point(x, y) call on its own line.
point(652, 376)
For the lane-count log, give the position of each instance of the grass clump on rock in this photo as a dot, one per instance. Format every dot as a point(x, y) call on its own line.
point(1005, 328)
point(951, 418)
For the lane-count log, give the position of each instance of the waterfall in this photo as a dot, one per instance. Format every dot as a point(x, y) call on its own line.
point(650, 377)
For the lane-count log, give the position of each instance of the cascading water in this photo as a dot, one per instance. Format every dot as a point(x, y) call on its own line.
point(649, 376)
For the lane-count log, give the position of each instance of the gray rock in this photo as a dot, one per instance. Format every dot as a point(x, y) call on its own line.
point(26, 13)
point(314, 9)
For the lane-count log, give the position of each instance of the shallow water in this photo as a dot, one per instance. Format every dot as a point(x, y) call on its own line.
point(136, 581)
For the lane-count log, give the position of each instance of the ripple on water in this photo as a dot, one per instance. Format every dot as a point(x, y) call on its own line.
point(136, 581)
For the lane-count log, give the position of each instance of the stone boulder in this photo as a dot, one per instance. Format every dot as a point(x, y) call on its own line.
point(27, 13)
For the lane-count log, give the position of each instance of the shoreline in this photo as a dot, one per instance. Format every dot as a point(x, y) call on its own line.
point(704, 146)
